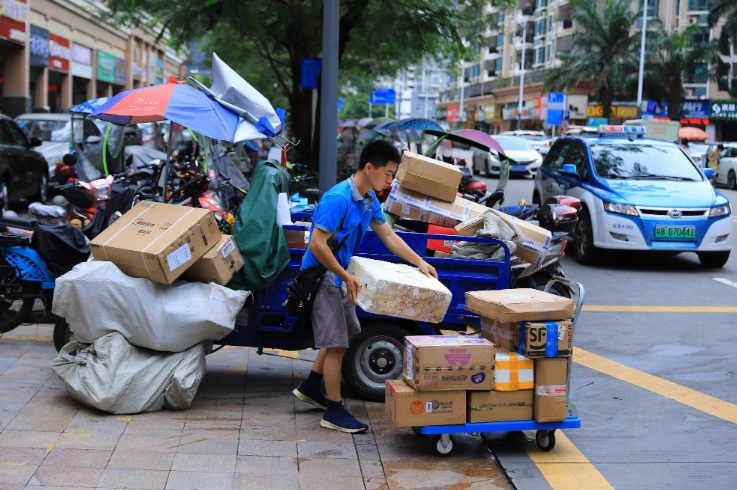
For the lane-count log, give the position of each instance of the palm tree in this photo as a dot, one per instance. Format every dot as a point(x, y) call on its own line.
point(606, 56)
point(718, 9)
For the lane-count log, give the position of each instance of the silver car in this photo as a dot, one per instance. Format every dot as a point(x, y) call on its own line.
point(537, 139)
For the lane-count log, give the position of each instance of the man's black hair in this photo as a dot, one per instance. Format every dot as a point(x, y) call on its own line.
point(720, 146)
point(379, 153)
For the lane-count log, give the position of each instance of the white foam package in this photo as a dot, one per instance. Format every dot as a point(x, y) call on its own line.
point(96, 298)
point(399, 290)
point(114, 376)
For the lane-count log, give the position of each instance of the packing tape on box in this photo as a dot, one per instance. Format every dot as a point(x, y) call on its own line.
point(554, 333)
point(143, 257)
point(121, 231)
point(494, 329)
point(513, 372)
point(551, 390)
point(424, 205)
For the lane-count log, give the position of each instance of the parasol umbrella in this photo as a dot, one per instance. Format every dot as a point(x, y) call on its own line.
point(89, 106)
point(692, 133)
point(418, 123)
point(480, 137)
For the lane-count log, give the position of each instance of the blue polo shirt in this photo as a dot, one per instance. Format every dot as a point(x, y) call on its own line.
point(344, 211)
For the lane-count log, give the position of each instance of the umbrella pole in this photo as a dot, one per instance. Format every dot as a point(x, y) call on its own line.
point(168, 159)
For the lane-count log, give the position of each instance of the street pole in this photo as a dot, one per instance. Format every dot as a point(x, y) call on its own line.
point(460, 106)
point(329, 99)
point(386, 111)
point(522, 74)
point(369, 107)
point(642, 59)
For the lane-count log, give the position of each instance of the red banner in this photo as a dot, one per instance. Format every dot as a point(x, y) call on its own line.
point(60, 52)
point(13, 17)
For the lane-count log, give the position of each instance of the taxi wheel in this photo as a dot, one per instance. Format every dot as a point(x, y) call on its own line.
point(731, 180)
point(586, 253)
point(713, 259)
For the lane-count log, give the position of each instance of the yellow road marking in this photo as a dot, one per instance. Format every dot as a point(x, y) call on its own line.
point(565, 467)
point(28, 339)
point(687, 396)
point(663, 309)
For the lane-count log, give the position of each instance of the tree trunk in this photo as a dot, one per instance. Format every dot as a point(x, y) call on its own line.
point(607, 97)
point(300, 102)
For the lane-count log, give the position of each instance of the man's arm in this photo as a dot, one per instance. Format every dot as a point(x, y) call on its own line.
point(399, 247)
point(320, 249)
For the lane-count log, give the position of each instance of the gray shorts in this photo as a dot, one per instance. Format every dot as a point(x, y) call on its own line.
point(334, 318)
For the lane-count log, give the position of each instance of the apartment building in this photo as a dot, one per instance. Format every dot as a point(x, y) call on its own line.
point(418, 90)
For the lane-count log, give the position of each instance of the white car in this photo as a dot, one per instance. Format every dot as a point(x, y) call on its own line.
point(526, 159)
point(727, 174)
point(537, 139)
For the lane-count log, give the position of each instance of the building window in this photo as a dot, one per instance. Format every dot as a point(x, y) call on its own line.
point(698, 5)
point(700, 37)
point(550, 24)
point(474, 71)
point(501, 17)
point(550, 52)
point(652, 8)
point(499, 62)
point(453, 78)
point(699, 74)
point(542, 3)
point(540, 27)
point(500, 40)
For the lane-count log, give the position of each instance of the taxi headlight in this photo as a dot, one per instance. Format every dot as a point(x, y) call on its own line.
point(625, 209)
point(722, 210)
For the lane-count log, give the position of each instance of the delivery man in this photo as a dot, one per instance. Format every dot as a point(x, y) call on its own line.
point(348, 209)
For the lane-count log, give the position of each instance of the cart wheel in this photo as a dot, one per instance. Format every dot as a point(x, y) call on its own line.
point(414, 429)
point(545, 439)
point(443, 445)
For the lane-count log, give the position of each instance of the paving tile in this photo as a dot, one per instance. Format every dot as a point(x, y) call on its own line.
point(269, 403)
point(77, 458)
point(166, 415)
point(269, 419)
point(41, 424)
point(16, 394)
point(66, 476)
point(29, 369)
point(232, 404)
point(333, 483)
point(329, 467)
point(368, 452)
point(215, 463)
point(264, 465)
point(201, 419)
point(191, 480)
point(19, 464)
point(320, 434)
point(268, 433)
point(4, 486)
point(153, 428)
point(28, 438)
point(331, 450)
point(17, 475)
point(94, 438)
point(107, 424)
point(371, 469)
point(49, 404)
point(133, 479)
point(248, 447)
point(140, 460)
point(375, 484)
point(166, 443)
point(209, 441)
point(249, 481)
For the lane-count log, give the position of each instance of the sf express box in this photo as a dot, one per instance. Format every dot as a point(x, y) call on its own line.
point(551, 377)
point(449, 362)
point(429, 176)
point(548, 339)
point(417, 206)
point(504, 335)
point(407, 407)
point(519, 305)
point(499, 406)
point(157, 241)
point(218, 264)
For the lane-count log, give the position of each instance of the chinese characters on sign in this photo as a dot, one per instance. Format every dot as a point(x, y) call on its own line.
point(60, 53)
point(723, 110)
point(39, 46)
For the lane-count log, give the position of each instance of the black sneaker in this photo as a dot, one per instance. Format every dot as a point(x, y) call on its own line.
point(311, 394)
point(342, 420)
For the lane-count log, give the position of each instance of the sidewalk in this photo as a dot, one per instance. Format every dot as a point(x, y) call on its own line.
point(244, 430)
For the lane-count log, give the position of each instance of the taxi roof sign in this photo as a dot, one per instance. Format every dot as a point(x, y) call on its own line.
point(614, 130)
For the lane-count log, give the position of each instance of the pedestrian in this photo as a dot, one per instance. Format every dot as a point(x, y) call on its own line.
point(684, 146)
point(712, 161)
point(346, 210)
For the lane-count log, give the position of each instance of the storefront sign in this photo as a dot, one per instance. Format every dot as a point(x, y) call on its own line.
point(137, 72)
point(597, 121)
point(491, 112)
point(622, 112)
point(452, 113)
point(13, 17)
point(696, 112)
point(81, 61)
point(60, 53)
point(105, 66)
point(39, 46)
point(723, 110)
point(120, 71)
point(537, 107)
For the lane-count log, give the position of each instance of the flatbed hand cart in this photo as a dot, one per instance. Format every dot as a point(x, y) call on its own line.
point(443, 442)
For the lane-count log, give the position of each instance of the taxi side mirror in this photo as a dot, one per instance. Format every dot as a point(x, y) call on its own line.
point(569, 169)
point(709, 173)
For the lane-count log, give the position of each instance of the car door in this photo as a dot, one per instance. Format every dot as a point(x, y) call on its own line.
point(13, 168)
point(551, 177)
point(34, 166)
point(576, 155)
point(727, 162)
point(93, 151)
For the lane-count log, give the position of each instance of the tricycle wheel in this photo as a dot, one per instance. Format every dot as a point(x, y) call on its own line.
point(545, 439)
point(15, 310)
point(62, 334)
point(443, 445)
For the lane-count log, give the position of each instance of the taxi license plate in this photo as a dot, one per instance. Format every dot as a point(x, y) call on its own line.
point(519, 168)
point(676, 232)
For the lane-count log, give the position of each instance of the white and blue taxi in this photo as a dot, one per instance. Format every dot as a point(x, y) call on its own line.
point(637, 194)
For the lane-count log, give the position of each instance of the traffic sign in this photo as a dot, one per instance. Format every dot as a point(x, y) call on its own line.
point(566, 115)
point(341, 104)
point(310, 72)
point(383, 96)
point(556, 100)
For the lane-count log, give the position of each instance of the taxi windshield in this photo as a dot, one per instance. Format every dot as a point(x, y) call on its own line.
point(642, 161)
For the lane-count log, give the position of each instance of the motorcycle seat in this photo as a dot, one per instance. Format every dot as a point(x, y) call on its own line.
point(46, 210)
point(27, 224)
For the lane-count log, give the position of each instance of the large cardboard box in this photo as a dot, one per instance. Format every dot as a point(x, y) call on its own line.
point(551, 377)
point(519, 305)
point(407, 407)
point(414, 205)
point(449, 362)
point(157, 241)
point(513, 372)
point(549, 339)
point(498, 406)
point(504, 335)
point(429, 176)
point(532, 250)
point(218, 265)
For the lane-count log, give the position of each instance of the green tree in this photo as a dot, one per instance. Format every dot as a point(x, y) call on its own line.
point(267, 40)
point(603, 53)
point(728, 37)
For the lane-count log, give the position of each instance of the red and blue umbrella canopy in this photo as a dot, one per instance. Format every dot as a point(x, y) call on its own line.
point(416, 123)
point(174, 101)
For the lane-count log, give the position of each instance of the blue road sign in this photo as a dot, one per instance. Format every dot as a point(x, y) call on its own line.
point(383, 96)
point(341, 104)
point(310, 72)
point(557, 100)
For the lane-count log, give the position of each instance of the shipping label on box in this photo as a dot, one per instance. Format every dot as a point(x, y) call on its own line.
point(519, 305)
point(429, 176)
point(218, 265)
point(414, 205)
point(499, 406)
point(504, 335)
point(549, 339)
point(513, 372)
point(157, 241)
point(449, 362)
point(407, 407)
point(550, 403)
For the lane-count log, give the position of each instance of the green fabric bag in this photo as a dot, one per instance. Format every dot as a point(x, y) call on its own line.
point(257, 232)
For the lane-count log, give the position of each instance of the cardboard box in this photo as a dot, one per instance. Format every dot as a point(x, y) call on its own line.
point(157, 241)
point(414, 205)
point(297, 238)
point(550, 402)
point(504, 335)
point(549, 339)
point(444, 255)
point(429, 176)
point(499, 406)
point(440, 245)
point(519, 305)
point(513, 372)
point(218, 264)
point(532, 250)
point(409, 408)
point(449, 362)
